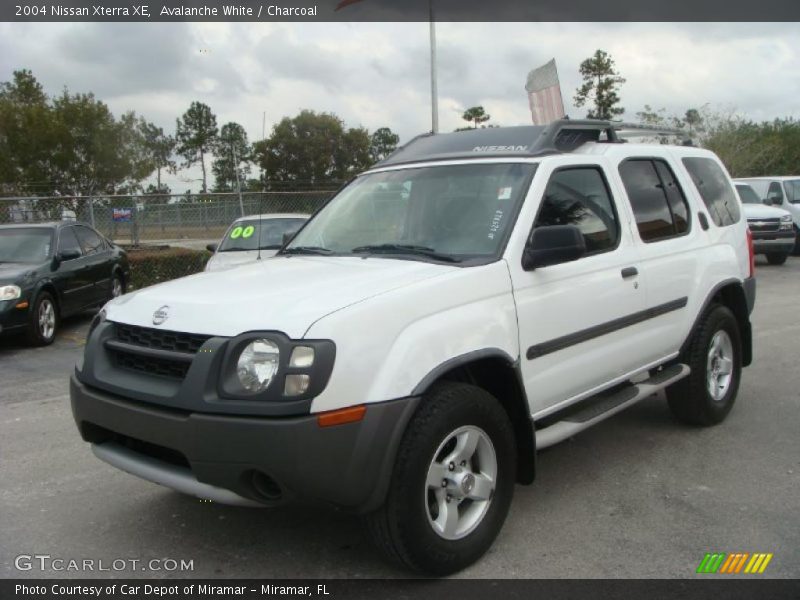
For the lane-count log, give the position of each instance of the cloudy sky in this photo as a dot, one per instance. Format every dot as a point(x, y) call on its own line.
point(377, 74)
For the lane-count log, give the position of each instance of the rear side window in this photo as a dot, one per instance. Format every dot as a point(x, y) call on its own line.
point(90, 241)
point(715, 189)
point(67, 240)
point(579, 196)
point(656, 198)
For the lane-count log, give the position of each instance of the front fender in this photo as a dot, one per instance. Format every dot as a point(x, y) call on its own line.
point(388, 345)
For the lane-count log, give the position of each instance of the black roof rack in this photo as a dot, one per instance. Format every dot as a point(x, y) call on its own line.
point(560, 136)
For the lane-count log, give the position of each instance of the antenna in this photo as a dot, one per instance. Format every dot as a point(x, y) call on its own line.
point(260, 212)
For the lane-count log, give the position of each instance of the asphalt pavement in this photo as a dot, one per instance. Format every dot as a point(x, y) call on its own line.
point(638, 496)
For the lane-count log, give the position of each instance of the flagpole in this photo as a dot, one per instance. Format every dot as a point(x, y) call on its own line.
point(434, 91)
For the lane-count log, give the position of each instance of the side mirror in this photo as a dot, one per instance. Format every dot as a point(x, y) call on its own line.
point(68, 255)
point(767, 201)
point(212, 247)
point(553, 245)
point(287, 237)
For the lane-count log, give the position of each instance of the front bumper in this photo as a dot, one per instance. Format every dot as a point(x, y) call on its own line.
point(247, 460)
point(12, 319)
point(779, 242)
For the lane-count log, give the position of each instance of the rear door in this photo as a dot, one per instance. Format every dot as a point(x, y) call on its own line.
point(98, 261)
point(577, 320)
point(670, 245)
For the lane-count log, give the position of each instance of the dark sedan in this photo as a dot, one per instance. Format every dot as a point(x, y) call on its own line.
point(54, 270)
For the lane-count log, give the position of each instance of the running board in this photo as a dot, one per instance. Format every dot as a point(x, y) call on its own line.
point(168, 475)
point(602, 406)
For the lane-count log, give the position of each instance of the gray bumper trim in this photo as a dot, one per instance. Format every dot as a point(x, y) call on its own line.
point(162, 473)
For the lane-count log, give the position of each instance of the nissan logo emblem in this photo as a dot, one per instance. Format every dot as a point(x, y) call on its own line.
point(160, 315)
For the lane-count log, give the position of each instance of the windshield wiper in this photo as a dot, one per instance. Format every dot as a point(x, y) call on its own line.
point(405, 249)
point(307, 250)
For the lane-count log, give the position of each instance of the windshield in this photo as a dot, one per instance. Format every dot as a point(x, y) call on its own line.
point(245, 235)
point(792, 190)
point(449, 213)
point(28, 245)
point(747, 194)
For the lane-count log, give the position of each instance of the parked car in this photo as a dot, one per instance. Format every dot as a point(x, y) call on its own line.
point(770, 227)
point(50, 271)
point(781, 192)
point(240, 244)
point(473, 298)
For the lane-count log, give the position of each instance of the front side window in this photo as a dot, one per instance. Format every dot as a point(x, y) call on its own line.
point(452, 213)
point(249, 233)
point(715, 190)
point(657, 200)
point(792, 190)
point(25, 245)
point(774, 193)
point(68, 242)
point(579, 196)
point(89, 240)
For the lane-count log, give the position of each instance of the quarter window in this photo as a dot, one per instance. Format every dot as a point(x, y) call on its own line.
point(579, 196)
point(715, 189)
point(90, 241)
point(658, 202)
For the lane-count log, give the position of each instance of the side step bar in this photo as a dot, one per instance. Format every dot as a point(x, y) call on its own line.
point(602, 406)
point(162, 473)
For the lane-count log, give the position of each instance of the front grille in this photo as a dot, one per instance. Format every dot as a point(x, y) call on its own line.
point(764, 224)
point(158, 339)
point(155, 339)
point(151, 365)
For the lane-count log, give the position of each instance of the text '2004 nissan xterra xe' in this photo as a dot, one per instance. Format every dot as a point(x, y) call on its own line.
point(475, 297)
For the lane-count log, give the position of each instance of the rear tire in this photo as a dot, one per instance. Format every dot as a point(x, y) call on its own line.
point(117, 286)
point(452, 483)
point(777, 258)
point(707, 395)
point(43, 320)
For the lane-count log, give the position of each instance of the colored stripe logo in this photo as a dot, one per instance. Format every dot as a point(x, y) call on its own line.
point(734, 563)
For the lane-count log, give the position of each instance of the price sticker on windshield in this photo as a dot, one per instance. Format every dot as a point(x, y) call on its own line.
point(242, 232)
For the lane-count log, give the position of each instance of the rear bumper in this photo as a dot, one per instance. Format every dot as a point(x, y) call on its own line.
point(248, 461)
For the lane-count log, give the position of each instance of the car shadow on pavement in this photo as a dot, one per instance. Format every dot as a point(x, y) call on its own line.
point(72, 332)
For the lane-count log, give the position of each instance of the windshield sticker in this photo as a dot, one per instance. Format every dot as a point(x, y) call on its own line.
point(495, 226)
point(248, 231)
point(237, 231)
point(504, 193)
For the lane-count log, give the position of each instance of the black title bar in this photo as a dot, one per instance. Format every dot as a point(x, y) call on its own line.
point(255, 11)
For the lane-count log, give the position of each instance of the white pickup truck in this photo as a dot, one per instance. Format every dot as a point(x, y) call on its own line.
point(473, 298)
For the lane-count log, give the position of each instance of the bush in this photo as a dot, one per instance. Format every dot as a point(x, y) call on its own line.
point(154, 265)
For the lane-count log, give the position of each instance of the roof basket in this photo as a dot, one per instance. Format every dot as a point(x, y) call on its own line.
point(564, 135)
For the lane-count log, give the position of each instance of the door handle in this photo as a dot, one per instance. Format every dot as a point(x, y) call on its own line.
point(629, 272)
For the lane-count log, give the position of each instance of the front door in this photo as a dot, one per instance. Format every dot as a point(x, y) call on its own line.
point(578, 321)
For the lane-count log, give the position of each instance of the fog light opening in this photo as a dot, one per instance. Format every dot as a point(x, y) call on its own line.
point(266, 487)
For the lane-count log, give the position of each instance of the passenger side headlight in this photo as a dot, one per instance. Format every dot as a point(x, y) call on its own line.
point(10, 292)
point(786, 222)
point(257, 365)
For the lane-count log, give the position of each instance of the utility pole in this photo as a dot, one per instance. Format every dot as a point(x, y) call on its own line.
point(434, 91)
point(238, 183)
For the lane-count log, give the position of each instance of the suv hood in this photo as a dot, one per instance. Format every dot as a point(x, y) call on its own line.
point(285, 294)
point(762, 211)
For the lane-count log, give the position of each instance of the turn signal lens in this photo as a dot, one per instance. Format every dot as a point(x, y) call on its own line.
point(341, 416)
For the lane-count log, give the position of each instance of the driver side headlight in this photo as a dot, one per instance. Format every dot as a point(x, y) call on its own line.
point(10, 292)
point(257, 364)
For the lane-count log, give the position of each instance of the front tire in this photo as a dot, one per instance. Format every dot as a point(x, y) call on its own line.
point(43, 320)
point(777, 258)
point(452, 483)
point(714, 355)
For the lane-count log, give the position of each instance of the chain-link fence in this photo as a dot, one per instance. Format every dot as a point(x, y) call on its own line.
point(159, 219)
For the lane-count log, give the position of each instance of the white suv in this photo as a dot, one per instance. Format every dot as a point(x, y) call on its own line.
point(475, 297)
